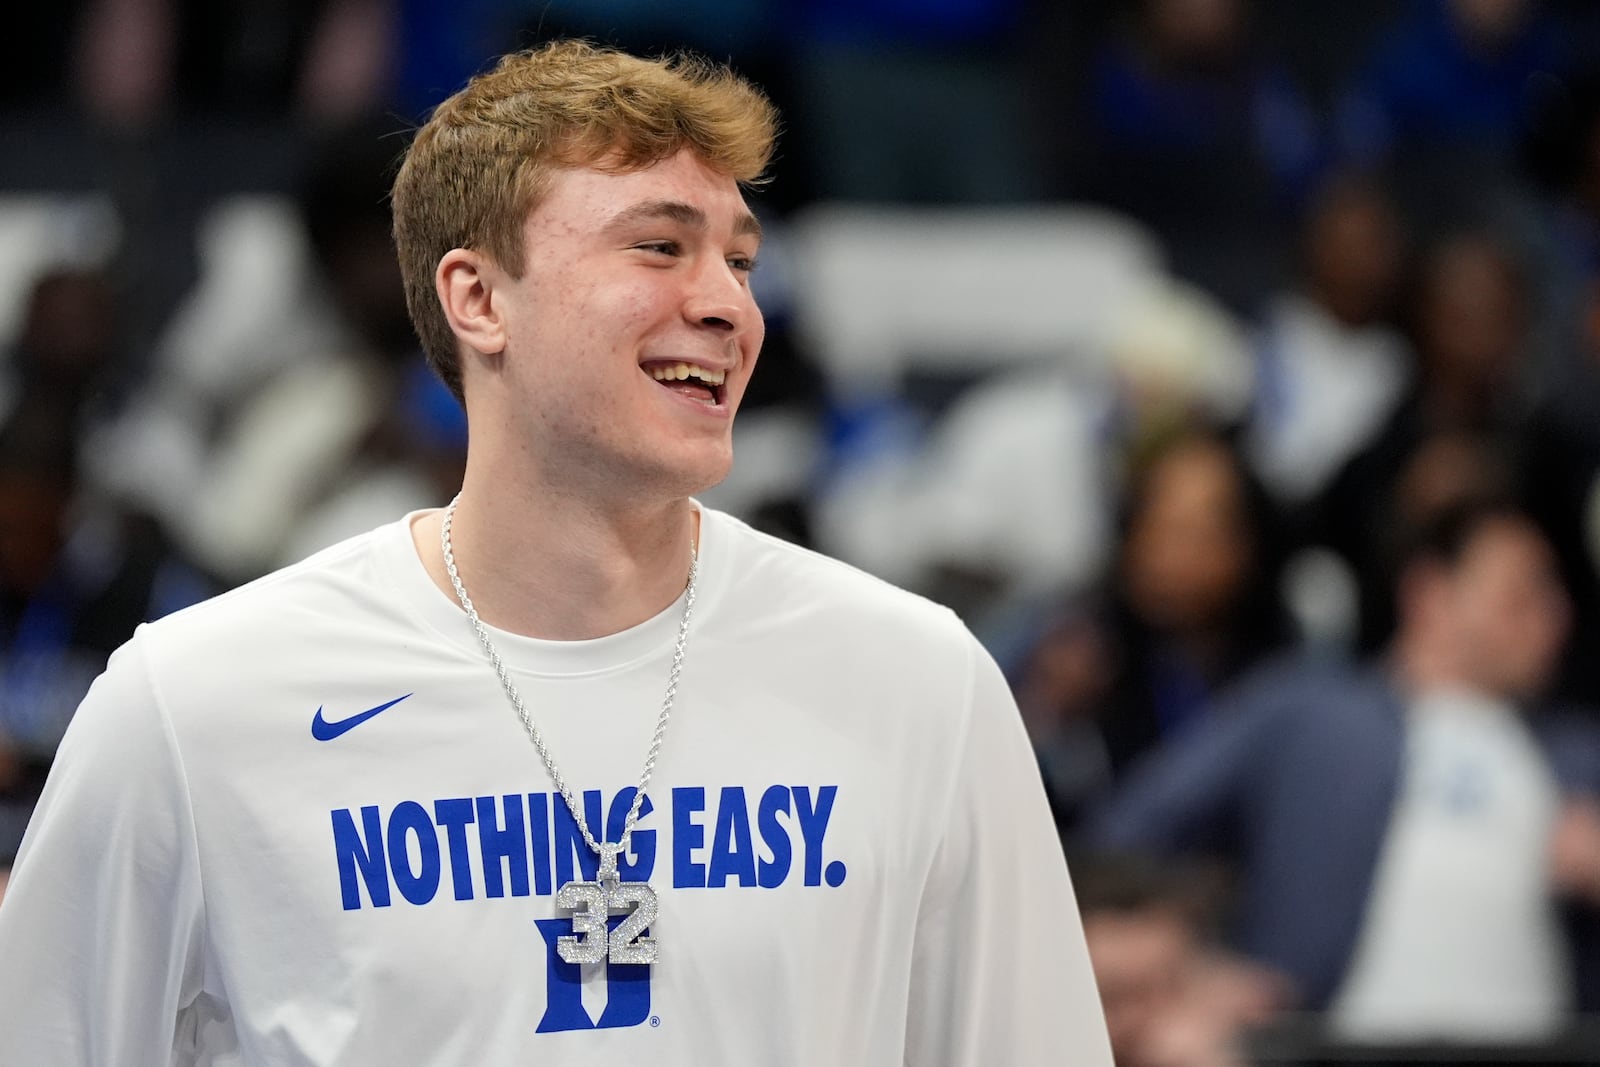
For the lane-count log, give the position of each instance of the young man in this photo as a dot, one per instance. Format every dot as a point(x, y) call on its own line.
point(573, 771)
point(1394, 823)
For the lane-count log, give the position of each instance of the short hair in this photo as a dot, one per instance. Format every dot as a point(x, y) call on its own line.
point(1444, 537)
point(487, 154)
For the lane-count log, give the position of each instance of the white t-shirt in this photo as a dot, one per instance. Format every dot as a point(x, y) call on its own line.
point(1461, 939)
point(846, 832)
point(1323, 390)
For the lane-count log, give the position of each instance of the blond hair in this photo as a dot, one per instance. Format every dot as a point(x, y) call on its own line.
point(481, 162)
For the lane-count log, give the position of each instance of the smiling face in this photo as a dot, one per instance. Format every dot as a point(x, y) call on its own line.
point(630, 337)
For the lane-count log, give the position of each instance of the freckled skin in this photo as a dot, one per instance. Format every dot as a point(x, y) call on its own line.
point(567, 396)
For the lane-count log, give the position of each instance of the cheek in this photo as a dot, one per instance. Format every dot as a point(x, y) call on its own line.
point(597, 336)
point(758, 337)
point(640, 299)
point(1514, 630)
point(758, 330)
point(1542, 624)
point(633, 309)
point(573, 308)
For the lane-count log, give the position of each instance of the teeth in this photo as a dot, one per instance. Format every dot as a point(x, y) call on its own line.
point(669, 372)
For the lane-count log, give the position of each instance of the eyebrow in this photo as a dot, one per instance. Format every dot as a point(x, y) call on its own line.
point(682, 213)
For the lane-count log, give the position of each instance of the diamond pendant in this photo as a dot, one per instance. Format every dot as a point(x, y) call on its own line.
point(628, 943)
point(590, 930)
point(592, 903)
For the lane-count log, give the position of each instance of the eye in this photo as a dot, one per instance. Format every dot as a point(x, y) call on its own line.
point(743, 264)
point(664, 248)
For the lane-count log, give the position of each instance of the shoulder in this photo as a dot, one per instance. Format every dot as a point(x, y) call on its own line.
point(876, 661)
point(779, 584)
point(336, 591)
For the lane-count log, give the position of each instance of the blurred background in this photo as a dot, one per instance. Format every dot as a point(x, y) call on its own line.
point(1232, 368)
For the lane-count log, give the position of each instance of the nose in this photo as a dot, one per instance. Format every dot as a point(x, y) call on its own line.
point(720, 299)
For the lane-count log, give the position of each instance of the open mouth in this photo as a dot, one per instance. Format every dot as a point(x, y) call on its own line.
point(696, 383)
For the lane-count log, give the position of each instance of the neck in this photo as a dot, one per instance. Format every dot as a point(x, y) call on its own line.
point(557, 567)
point(1422, 664)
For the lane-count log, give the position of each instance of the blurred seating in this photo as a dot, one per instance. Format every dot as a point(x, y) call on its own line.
point(885, 291)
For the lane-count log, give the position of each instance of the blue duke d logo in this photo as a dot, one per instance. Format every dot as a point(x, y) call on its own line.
point(627, 987)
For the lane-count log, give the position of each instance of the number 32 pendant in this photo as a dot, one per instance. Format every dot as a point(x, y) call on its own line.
point(592, 939)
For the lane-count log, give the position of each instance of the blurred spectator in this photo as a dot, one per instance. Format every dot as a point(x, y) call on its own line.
point(1062, 689)
point(349, 67)
point(1330, 365)
point(1324, 43)
point(74, 582)
point(1444, 100)
point(1454, 433)
point(1563, 155)
point(1562, 464)
point(1009, 494)
point(1454, 74)
point(136, 62)
point(414, 455)
point(297, 441)
point(1559, 477)
point(1393, 823)
point(1192, 607)
point(1171, 999)
point(67, 350)
point(1196, 597)
point(1471, 325)
point(1177, 356)
point(1004, 496)
point(312, 409)
point(1191, 129)
point(125, 60)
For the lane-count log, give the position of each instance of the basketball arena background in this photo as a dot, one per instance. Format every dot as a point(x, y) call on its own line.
point(1151, 336)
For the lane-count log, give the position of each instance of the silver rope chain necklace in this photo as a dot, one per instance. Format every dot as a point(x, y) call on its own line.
point(591, 903)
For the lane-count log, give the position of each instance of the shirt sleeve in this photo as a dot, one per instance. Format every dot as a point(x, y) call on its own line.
point(1000, 971)
point(1185, 796)
point(101, 929)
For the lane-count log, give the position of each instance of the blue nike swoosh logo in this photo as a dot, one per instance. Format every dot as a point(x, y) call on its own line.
point(323, 730)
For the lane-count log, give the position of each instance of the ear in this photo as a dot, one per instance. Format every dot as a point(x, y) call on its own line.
point(465, 282)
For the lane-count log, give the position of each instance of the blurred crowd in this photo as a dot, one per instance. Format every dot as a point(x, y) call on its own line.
point(1233, 368)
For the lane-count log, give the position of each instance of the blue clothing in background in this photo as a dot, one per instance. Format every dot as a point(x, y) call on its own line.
point(1255, 109)
point(1294, 777)
point(1428, 85)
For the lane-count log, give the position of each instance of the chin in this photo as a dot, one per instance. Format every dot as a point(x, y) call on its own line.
point(709, 478)
point(691, 474)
